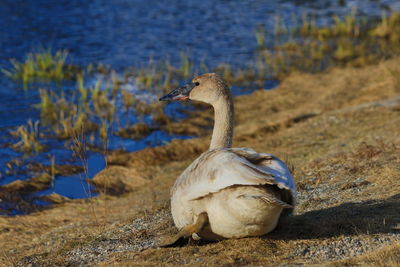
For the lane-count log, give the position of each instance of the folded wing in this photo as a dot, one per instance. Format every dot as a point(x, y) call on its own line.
point(221, 168)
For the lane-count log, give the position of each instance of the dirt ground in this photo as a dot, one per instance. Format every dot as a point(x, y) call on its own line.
point(339, 129)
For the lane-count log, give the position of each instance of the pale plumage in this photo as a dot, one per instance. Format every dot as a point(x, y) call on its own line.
point(228, 192)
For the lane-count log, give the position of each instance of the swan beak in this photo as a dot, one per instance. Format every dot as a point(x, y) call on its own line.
point(182, 93)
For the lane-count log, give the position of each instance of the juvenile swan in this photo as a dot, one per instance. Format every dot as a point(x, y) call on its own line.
point(227, 192)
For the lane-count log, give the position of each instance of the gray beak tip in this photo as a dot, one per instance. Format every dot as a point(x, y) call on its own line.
point(181, 93)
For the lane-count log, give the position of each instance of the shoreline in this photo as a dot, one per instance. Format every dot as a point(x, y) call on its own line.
point(338, 128)
point(107, 109)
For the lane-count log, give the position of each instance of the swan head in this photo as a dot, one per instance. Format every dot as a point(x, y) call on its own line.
point(208, 88)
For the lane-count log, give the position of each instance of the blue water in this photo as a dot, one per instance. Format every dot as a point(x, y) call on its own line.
point(124, 33)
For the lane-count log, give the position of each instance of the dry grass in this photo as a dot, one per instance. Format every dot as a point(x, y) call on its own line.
point(338, 130)
point(387, 256)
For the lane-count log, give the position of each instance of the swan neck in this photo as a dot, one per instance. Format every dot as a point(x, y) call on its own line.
point(223, 123)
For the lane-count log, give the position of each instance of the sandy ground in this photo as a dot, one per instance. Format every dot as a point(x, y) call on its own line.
point(339, 129)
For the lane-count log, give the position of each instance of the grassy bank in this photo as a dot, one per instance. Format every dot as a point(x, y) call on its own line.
point(338, 128)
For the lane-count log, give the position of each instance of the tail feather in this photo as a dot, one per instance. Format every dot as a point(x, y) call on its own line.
point(270, 199)
point(276, 201)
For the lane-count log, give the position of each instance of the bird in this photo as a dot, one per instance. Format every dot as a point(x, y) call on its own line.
point(226, 192)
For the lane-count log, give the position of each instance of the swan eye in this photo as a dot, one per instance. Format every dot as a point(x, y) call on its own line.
point(197, 83)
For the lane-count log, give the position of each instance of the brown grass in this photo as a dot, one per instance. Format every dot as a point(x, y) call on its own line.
point(337, 128)
point(388, 256)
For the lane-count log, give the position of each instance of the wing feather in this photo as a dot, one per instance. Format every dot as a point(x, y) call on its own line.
point(221, 168)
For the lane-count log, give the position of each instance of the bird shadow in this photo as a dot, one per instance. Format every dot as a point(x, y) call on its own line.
point(352, 218)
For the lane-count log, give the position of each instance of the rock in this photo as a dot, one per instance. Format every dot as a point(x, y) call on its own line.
point(116, 180)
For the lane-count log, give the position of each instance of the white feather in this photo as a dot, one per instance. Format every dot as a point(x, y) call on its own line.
point(217, 169)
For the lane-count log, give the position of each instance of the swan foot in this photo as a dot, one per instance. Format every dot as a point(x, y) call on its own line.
point(186, 232)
